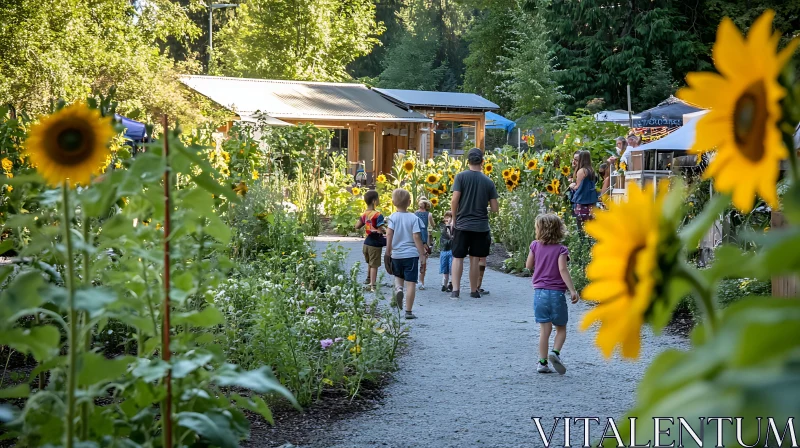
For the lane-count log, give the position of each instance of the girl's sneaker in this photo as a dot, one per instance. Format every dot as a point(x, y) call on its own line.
point(422, 287)
point(555, 360)
point(543, 368)
point(410, 315)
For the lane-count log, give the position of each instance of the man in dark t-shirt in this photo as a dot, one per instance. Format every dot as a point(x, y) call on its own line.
point(473, 193)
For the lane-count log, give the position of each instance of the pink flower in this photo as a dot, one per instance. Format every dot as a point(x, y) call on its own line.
point(310, 310)
point(325, 343)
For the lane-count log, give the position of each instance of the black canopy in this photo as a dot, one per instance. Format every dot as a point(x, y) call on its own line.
point(668, 113)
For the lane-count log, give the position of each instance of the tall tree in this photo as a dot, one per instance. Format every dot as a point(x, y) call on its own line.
point(489, 50)
point(295, 39)
point(528, 77)
point(602, 45)
point(71, 48)
point(387, 12)
point(433, 27)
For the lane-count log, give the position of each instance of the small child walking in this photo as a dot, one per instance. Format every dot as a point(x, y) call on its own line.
point(404, 251)
point(446, 251)
point(375, 226)
point(426, 223)
point(551, 280)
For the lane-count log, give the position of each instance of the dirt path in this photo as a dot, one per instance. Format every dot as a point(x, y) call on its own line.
point(469, 377)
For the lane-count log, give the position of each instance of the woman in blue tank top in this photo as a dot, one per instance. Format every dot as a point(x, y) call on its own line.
point(584, 189)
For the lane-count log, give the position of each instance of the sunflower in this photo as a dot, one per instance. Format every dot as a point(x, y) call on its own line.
point(441, 190)
point(356, 191)
point(487, 168)
point(451, 178)
point(514, 176)
point(547, 157)
point(70, 144)
point(381, 179)
point(435, 201)
point(240, 188)
point(532, 164)
point(623, 272)
point(550, 188)
point(556, 183)
point(254, 175)
point(408, 166)
point(510, 185)
point(565, 170)
point(623, 166)
point(8, 165)
point(432, 178)
point(745, 107)
point(506, 173)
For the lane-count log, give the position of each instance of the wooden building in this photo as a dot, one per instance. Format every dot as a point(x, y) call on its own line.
point(369, 125)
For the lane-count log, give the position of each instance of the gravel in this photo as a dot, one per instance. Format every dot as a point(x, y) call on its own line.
point(469, 377)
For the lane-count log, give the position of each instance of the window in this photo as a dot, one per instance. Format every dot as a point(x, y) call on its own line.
point(339, 141)
point(455, 137)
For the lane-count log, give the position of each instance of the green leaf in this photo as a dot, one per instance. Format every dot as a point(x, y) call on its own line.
point(697, 229)
point(208, 317)
point(218, 229)
point(42, 341)
point(185, 365)
point(661, 311)
point(205, 181)
point(24, 292)
point(94, 368)
point(261, 380)
point(255, 404)
point(18, 391)
point(6, 246)
point(149, 370)
point(217, 431)
point(184, 281)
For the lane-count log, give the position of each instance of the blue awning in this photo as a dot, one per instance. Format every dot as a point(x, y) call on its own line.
point(495, 121)
point(133, 129)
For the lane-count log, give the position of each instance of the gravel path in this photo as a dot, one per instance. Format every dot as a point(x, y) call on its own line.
point(469, 378)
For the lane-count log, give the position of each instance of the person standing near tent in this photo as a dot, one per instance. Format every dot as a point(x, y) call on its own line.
point(621, 145)
point(473, 195)
point(584, 189)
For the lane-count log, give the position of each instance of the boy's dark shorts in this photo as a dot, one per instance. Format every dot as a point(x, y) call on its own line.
point(406, 268)
point(474, 244)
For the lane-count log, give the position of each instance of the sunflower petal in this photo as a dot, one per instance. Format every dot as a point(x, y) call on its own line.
point(730, 51)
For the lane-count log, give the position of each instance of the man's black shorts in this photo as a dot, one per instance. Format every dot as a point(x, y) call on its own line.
point(474, 244)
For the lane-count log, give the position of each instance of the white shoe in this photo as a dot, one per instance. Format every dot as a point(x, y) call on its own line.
point(555, 360)
point(422, 287)
point(543, 368)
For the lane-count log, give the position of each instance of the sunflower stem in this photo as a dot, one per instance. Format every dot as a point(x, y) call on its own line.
point(87, 341)
point(73, 330)
point(703, 297)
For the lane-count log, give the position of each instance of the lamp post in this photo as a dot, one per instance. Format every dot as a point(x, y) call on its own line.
point(211, 9)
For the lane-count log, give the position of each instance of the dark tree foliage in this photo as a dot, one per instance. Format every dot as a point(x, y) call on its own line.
point(602, 45)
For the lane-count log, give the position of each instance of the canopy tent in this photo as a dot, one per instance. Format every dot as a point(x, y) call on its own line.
point(668, 113)
point(615, 116)
point(133, 129)
point(679, 140)
point(496, 121)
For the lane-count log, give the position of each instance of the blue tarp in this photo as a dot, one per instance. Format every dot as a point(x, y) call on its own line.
point(495, 121)
point(133, 129)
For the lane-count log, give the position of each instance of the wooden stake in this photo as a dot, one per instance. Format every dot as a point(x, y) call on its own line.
point(166, 411)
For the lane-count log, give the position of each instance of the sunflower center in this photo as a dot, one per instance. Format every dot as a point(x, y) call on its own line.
point(631, 279)
point(70, 140)
point(750, 121)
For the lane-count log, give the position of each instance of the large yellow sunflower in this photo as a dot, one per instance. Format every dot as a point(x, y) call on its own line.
point(624, 271)
point(546, 157)
point(556, 183)
point(565, 170)
point(408, 166)
point(744, 102)
point(356, 191)
point(432, 178)
point(435, 201)
point(506, 173)
point(381, 179)
point(8, 165)
point(532, 164)
point(70, 145)
point(487, 168)
point(550, 188)
point(514, 176)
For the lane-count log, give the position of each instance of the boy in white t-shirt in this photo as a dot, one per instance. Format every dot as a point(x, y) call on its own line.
point(404, 250)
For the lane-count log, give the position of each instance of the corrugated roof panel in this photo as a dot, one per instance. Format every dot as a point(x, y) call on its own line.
point(300, 99)
point(451, 100)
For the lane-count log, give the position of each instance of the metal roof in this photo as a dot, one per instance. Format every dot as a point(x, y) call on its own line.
point(420, 99)
point(299, 100)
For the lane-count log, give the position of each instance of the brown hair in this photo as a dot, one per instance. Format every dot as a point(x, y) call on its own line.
point(401, 198)
point(370, 197)
point(550, 229)
point(448, 214)
point(585, 162)
point(424, 203)
point(603, 170)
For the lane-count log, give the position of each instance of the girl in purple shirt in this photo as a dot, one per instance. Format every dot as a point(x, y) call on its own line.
point(547, 260)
